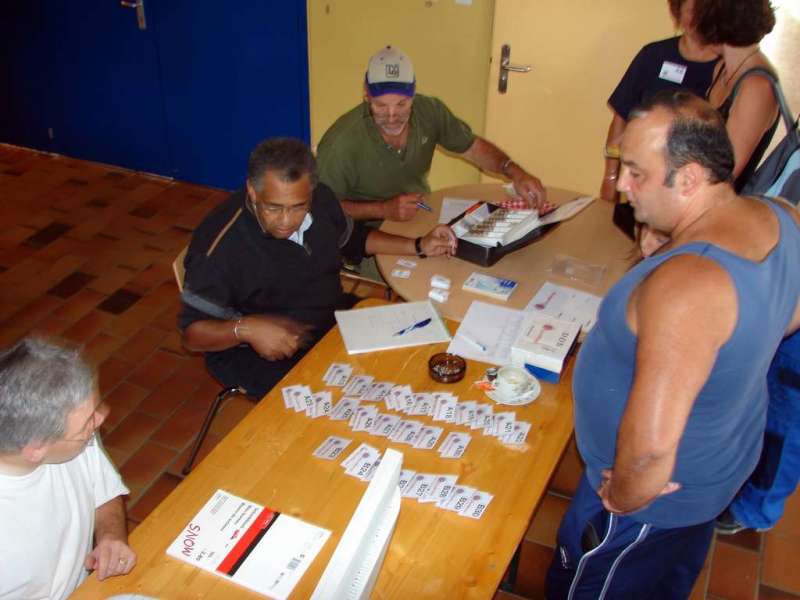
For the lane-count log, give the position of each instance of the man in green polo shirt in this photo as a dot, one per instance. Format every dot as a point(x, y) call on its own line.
point(376, 157)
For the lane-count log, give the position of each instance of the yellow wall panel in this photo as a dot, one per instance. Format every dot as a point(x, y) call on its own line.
point(447, 42)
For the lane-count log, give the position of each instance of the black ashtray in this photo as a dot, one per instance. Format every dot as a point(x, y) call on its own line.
point(446, 368)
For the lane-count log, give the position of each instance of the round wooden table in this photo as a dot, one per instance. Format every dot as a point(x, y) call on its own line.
point(589, 236)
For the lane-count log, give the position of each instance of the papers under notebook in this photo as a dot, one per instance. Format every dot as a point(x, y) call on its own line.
point(391, 326)
point(486, 333)
point(452, 207)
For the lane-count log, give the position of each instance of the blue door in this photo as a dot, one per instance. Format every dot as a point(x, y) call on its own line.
point(232, 74)
point(109, 107)
point(187, 97)
point(26, 102)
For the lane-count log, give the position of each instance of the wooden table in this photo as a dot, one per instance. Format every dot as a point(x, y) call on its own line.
point(433, 554)
point(589, 236)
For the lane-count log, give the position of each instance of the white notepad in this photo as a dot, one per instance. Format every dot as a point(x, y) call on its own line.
point(380, 327)
point(486, 333)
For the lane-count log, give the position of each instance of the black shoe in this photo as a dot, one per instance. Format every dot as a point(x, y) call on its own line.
point(726, 524)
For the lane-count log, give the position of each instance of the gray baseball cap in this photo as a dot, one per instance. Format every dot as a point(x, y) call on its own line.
point(390, 72)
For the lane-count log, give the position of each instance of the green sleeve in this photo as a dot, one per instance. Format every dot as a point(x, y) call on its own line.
point(332, 168)
point(454, 134)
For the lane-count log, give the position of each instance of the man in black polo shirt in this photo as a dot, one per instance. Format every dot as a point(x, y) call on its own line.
point(262, 270)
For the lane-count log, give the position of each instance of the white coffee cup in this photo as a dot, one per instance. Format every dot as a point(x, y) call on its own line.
point(512, 381)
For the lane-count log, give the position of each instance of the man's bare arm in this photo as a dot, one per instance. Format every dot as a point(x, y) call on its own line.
point(608, 187)
point(488, 157)
point(438, 241)
point(402, 207)
point(111, 555)
point(682, 314)
point(273, 337)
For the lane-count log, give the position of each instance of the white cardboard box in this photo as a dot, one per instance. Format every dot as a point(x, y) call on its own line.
point(544, 342)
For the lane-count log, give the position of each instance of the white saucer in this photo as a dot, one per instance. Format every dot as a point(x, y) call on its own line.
point(526, 398)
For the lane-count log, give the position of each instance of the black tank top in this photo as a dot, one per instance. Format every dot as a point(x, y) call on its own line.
point(725, 110)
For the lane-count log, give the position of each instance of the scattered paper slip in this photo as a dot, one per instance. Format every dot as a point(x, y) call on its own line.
point(337, 374)
point(441, 489)
point(323, 405)
point(419, 485)
point(344, 409)
point(358, 386)
point(377, 391)
point(332, 447)
point(460, 499)
point(455, 445)
point(406, 475)
point(427, 437)
point(518, 434)
point(297, 397)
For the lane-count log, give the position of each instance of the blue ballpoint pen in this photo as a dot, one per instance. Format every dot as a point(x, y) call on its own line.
point(418, 325)
point(424, 206)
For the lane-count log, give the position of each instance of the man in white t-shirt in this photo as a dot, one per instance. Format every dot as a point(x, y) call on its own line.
point(61, 514)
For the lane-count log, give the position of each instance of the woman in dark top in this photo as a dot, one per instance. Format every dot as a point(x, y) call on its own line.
point(684, 61)
point(750, 109)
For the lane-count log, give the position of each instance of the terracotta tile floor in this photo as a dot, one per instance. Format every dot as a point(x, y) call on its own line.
point(86, 254)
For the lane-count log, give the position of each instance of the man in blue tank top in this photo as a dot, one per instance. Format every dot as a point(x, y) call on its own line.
point(670, 386)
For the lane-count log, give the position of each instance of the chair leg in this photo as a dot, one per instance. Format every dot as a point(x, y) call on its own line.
point(510, 578)
point(201, 435)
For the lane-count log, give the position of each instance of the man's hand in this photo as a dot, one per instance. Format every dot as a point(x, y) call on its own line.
point(402, 207)
point(111, 557)
point(528, 187)
point(274, 337)
point(651, 240)
point(439, 240)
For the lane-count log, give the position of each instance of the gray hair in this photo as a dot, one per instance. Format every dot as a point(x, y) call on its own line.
point(289, 158)
point(40, 384)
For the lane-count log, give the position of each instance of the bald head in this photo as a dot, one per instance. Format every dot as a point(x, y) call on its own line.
point(695, 134)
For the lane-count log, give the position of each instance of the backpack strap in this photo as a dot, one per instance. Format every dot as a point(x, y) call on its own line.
point(788, 119)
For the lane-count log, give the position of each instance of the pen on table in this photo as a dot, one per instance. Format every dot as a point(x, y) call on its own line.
point(417, 325)
point(423, 206)
point(473, 341)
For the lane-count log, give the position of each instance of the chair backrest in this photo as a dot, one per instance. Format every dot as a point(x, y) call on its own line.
point(178, 270)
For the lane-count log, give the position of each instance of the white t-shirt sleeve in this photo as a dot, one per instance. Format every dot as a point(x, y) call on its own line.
point(107, 481)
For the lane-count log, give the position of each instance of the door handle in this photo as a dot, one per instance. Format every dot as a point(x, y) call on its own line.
point(139, 6)
point(506, 66)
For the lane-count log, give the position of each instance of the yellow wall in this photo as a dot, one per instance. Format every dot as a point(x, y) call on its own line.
point(447, 42)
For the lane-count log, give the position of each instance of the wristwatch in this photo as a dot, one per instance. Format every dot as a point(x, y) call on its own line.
point(418, 248)
point(505, 166)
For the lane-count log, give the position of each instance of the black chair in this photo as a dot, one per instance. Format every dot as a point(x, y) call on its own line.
point(180, 273)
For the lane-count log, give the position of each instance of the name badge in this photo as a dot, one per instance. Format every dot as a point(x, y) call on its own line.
point(672, 72)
